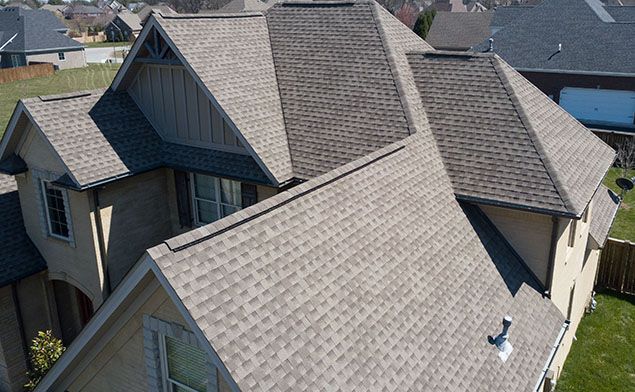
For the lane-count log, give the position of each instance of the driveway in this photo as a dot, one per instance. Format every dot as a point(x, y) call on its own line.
point(101, 55)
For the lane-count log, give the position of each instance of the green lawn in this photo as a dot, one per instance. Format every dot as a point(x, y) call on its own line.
point(624, 226)
point(106, 44)
point(603, 357)
point(88, 78)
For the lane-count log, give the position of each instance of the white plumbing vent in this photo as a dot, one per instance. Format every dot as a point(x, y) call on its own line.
point(501, 341)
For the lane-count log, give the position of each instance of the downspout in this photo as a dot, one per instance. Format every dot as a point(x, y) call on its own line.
point(18, 316)
point(101, 245)
point(552, 255)
point(552, 354)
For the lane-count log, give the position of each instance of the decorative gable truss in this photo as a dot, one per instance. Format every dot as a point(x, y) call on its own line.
point(174, 99)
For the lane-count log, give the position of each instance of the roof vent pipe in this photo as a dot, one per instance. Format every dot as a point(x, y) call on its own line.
point(491, 45)
point(557, 51)
point(502, 344)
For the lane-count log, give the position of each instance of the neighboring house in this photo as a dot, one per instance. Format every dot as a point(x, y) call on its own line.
point(578, 52)
point(57, 10)
point(306, 232)
point(81, 11)
point(126, 26)
point(161, 8)
point(36, 36)
point(133, 7)
point(244, 6)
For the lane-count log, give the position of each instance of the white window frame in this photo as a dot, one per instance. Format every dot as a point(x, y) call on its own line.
point(43, 185)
point(165, 375)
point(61, 56)
point(218, 201)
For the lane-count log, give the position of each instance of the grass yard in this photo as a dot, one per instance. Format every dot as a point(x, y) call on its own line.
point(624, 226)
point(603, 357)
point(89, 78)
point(106, 44)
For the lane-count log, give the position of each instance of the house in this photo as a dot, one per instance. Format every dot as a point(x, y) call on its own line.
point(146, 11)
point(244, 5)
point(133, 7)
point(561, 47)
point(239, 204)
point(124, 27)
point(57, 10)
point(36, 36)
point(82, 11)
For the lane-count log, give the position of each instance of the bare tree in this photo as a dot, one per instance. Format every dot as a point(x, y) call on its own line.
point(626, 156)
point(407, 14)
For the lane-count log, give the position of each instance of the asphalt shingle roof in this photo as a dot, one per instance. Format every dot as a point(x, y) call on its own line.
point(132, 20)
point(592, 41)
point(516, 146)
point(459, 30)
point(605, 204)
point(103, 135)
point(18, 256)
point(36, 29)
point(353, 281)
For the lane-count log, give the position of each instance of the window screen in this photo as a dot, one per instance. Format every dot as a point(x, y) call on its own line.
point(186, 366)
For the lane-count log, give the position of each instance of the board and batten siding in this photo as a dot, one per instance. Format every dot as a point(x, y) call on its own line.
point(179, 110)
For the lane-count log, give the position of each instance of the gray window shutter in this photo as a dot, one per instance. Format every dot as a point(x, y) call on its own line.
point(183, 198)
point(249, 194)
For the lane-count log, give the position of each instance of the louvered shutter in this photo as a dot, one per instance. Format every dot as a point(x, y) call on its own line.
point(183, 198)
point(249, 194)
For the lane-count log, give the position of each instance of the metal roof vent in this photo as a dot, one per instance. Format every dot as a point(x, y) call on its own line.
point(502, 344)
point(491, 45)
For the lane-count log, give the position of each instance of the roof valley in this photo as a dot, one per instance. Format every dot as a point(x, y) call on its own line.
point(533, 137)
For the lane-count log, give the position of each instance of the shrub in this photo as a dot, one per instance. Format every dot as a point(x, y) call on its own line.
point(44, 351)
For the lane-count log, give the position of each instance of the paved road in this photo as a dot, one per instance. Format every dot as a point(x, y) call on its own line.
point(100, 55)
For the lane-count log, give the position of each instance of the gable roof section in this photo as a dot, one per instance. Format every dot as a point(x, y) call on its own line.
point(605, 205)
point(102, 136)
point(592, 40)
point(38, 30)
point(338, 92)
point(311, 289)
point(459, 30)
point(132, 20)
point(244, 5)
point(516, 148)
point(18, 256)
point(236, 67)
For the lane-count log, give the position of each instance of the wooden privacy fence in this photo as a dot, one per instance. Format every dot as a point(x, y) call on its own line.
point(617, 266)
point(27, 72)
point(614, 138)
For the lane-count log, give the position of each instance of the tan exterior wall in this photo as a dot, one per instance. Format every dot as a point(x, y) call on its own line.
point(120, 366)
point(75, 264)
point(528, 233)
point(136, 215)
point(73, 59)
point(12, 358)
point(36, 304)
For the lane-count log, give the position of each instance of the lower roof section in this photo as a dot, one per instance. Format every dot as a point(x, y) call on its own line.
point(370, 277)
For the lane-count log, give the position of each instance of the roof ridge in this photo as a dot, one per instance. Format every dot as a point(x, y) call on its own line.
point(390, 57)
point(235, 15)
point(533, 137)
point(239, 218)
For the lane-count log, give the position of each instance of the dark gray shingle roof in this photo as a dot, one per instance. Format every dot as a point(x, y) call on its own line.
point(103, 135)
point(370, 277)
point(516, 147)
point(605, 204)
point(591, 42)
point(18, 256)
point(36, 29)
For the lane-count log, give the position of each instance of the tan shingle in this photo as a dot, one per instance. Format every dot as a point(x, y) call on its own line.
point(604, 207)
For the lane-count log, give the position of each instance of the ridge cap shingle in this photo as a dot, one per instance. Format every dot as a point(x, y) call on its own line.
point(533, 136)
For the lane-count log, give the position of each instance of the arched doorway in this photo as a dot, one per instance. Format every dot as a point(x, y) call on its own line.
point(74, 309)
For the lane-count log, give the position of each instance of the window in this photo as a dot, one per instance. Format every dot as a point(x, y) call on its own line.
point(54, 205)
point(184, 366)
point(214, 198)
point(15, 60)
point(61, 56)
point(572, 230)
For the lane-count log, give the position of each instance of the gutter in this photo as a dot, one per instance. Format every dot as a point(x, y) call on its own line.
point(552, 255)
point(552, 354)
point(574, 72)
